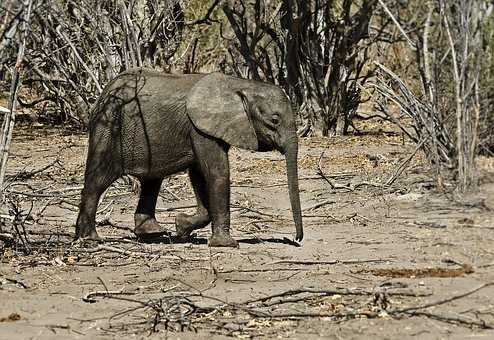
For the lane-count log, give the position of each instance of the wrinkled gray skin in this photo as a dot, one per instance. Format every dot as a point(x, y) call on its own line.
point(150, 125)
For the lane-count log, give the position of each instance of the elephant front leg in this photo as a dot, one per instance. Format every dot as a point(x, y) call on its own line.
point(219, 195)
point(144, 217)
point(212, 158)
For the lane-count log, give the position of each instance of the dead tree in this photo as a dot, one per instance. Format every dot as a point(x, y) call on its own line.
point(314, 49)
point(9, 116)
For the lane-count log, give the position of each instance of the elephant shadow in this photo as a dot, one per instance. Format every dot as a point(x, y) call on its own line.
point(258, 240)
point(169, 238)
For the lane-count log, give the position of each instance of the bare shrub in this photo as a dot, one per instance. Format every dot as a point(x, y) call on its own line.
point(76, 47)
point(449, 46)
point(316, 50)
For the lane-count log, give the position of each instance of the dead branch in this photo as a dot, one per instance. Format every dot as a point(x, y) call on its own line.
point(17, 282)
point(23, 175)
point(252, 210)
point(310, 263)
point(336, 291)
point(90, 297)
point(460, 320)
point(337, 186)
point(207, 17)
point(9, 117)
point(404, 164)
point(318, 205)
point(442, 301)
point(190, 206)
point(397, 23)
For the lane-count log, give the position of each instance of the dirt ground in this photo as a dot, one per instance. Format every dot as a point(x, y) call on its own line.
point(377, 262)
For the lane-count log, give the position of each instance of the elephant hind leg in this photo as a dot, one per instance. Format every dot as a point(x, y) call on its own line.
point(144, 217)
point(96, 182)
point(186, 224)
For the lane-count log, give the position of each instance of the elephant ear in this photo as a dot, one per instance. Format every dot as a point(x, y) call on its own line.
point(215, 106)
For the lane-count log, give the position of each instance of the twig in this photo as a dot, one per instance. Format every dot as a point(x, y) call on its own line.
point(326, 262)
point(318, 205)
point(206, 19)
point(177, 208)
point(403, 164)
point(252, 210)
point(453, 319)
point(58, 29)
point(402, 31)
point(107, 222)
point(260, 270)
point(336, 291)
point(486, 265)
point(90, 297)
point(17, 282)
point(443, 301)
point(23, 175)
point(335, 186)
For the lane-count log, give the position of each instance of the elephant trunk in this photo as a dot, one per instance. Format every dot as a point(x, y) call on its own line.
point(291, 153)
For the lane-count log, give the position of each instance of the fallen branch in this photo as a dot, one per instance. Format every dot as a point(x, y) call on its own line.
point(336, 291)
point(23, 175)
point(453, 319)
point(17, 282)
point(252, 210)
point(404, 164)
point(176, 208)
point(90, 297)
point(348, 186)
point(443, 301)
point(327, 262)
point(318, 205)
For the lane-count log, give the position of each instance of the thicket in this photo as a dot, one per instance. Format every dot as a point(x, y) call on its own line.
point(432, 60)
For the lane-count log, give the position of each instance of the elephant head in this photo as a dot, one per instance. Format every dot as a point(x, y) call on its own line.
point(250, 115)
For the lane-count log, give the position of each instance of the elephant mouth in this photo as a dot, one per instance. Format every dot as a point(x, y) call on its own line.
point(264, 147)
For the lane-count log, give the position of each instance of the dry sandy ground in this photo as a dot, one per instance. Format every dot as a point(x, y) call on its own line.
point(377, 261)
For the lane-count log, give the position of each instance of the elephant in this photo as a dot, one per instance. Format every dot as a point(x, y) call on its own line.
point(150, 124)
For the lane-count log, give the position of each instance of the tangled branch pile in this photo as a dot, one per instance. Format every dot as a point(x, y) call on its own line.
point(75, 47)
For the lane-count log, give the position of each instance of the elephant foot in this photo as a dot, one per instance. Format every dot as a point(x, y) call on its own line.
point(147, 227)
point(186, 224)
point(87, 234)
point(222, 239)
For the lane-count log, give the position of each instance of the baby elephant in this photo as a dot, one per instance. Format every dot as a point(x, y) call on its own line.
point(150, 125)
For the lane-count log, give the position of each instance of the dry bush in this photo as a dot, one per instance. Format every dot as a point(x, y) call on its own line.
point(75, 47)
point(447, 93)
point(316, 50)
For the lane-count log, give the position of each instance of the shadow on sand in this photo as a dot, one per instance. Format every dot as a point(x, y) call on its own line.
point(168, 238)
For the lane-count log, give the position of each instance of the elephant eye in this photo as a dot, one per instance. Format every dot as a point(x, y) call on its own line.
point(275, 119)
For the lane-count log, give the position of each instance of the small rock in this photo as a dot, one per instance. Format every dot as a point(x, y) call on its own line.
point(409, 197)
point(12, 317)
point(232, 326)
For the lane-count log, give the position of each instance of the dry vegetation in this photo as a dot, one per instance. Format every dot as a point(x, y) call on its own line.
point(395, 105)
